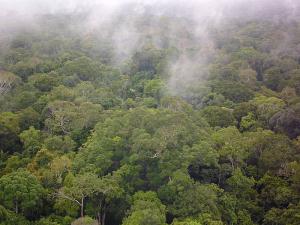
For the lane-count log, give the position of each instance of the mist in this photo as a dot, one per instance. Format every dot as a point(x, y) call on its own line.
point(116, 21)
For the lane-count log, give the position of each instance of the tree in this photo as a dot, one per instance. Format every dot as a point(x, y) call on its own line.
point(248, 77)
point(203, 163)
point(93, 158)
point(287, 121)
point(11, 121)
point(214, 99)
point(254, 58)
point(7, 81)
point(154, 88)
point(9, 130)
point(185, 197)
point(62, 117)
point(146, 209)
point(84, 221)
point(273, 78)
point(26, 67)
point(233, 91)
point(107, 190)
point(277, 216)
point(84, 67)
point(186, 222)
point(14, 163)
point(59, 167)
point(232, 146)
point(275, 192)
point(29, 117)
point(240, 185)
point(44, 82)
point(218, 116)
point(249, 123)
point(63, 144)
point(243, 109)
point(266, 107)
point(20, 191)
point(288, 94)
point(147, 59)
point(79, 189)
point(295, 80)
point(25, 99)
point(277, 154)
point(32, 140)
point(67, 118)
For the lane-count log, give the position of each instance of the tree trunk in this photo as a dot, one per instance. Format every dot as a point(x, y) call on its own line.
point(81, 208)
point(231, 162)
point(99, 218)
point(17, 208)
point(101, 214)
point(103, 218)
point(219, 177)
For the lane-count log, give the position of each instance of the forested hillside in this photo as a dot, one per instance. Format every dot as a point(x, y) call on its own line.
point(150, 118)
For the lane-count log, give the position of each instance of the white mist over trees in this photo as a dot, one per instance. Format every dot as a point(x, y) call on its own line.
point(117, 22)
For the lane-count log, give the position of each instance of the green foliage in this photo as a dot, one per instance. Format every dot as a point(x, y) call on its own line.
point(14, 163)
point(185, 197)
point(146, 209)
point(187, 222)
point(240, 185)
point(174, 126)
point(83, 67)
point(267, 107)
point(249, 123)
point(20, 191)
point(85, 221)
point(67, 118)
point(233, 91)
point(62, 144)
point(29, 117)
point(11, 121)
point(232, 146)
point(218, 116)
point(44, 82)
point(154, 88)
point(32, 141)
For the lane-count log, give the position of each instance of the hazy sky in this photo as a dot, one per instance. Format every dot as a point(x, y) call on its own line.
point(24, 10)
point(53, 6)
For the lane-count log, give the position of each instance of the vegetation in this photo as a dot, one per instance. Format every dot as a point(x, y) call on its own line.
point(88, 137)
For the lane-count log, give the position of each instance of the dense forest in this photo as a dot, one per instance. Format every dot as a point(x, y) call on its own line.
point(150, 118)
